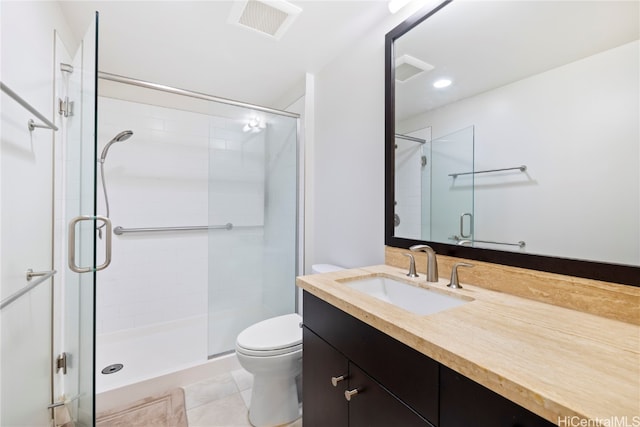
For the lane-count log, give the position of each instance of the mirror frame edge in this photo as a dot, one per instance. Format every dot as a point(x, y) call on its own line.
point(607, 272)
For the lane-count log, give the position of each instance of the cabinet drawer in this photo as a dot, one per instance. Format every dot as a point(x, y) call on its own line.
point(373, 406)
point(406, 373)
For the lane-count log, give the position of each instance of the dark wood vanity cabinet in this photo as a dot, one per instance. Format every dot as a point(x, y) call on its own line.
point(371, 405)
point(320, 363)
point(464, 402)
point(397, 386)
point(374, 406)
point(382, 369)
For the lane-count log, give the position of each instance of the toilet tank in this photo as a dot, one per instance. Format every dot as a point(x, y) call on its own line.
point(324, 268)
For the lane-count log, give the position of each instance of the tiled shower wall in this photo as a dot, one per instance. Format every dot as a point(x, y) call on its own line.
point(160, 178)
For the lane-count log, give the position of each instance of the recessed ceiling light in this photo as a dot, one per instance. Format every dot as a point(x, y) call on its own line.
point(439, 84)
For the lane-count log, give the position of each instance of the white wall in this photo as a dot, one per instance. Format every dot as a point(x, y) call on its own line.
point(26, 201)
point(348, 169)
point(566, 136)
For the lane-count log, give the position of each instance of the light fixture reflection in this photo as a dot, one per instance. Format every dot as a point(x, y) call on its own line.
point(442, 83)
point(396, 5)
point(254, 125)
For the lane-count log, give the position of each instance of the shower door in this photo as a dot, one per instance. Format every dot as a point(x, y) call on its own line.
point(252, 267)
point(451, 201)
point(51, 314)
point(79, 272)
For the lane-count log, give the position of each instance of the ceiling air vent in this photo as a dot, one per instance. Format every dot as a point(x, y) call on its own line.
point(408, 67)
point(269, 17)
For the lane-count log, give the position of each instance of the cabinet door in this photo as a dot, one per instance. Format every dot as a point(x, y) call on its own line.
point(324, 404)
point(464, 403)
point(406, 373)
point(373, 406)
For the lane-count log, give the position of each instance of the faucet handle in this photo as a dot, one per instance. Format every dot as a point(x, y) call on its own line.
point(412, 266)
point(454, 284)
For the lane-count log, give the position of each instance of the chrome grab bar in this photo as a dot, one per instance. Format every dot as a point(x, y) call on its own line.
point(64, 401)
point(522, 168)
point(462, 242)
point(410, 138)
point(120, 230)
point(31, 124)
point(30, 274)
point(72, 243)
point(43, 277)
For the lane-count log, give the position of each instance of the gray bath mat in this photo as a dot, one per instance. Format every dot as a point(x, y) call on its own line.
point(163, 410)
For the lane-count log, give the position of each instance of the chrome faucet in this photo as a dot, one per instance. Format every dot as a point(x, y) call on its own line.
point(432, 263)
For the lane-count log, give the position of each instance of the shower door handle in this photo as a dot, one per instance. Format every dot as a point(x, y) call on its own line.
point(72, 243)
point(466, 236)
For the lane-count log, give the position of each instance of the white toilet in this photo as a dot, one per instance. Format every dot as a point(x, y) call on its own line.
point(272, 351)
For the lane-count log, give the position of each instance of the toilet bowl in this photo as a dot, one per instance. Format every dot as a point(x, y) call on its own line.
point(272, 351)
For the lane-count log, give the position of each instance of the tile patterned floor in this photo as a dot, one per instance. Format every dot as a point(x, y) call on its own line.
point(222, 401)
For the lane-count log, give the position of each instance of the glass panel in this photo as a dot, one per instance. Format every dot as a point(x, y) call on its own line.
point(253, 185)
point(204, 171)
point(80, 196)
point(26, 224)
point(413, 161)
point(451, 198)
point(425, 197)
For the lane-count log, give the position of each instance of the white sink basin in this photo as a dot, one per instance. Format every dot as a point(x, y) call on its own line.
point(412, 298)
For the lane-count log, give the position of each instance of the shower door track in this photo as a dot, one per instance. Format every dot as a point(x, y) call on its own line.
point(177, 91)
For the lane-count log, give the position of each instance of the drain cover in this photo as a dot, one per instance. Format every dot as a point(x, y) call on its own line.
point(112, 369)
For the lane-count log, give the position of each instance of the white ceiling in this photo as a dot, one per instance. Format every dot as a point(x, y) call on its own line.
point(482, 45)
point(190, 45)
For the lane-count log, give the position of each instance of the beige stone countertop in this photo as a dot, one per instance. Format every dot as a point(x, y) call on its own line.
point(556, 362)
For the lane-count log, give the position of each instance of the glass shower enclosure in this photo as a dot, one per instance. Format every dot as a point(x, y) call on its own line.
point(252, 267)
point(450, 178)
point(204, 203)
point(434, 186)
point(47, 330)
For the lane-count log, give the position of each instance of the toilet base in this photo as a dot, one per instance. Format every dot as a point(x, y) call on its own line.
point(274, 401)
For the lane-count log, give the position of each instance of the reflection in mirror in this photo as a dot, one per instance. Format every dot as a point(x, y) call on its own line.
point(549, 95)
point(428, 203)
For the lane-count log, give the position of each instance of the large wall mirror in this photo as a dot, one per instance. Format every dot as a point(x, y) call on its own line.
point(513, 134)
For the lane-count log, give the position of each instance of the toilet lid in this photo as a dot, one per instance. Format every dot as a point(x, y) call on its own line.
point(272, 334)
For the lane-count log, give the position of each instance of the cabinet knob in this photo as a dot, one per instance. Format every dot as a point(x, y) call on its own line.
point(349, 393)
point(336, 380)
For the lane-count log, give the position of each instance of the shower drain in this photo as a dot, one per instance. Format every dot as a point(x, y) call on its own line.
point(112, 369)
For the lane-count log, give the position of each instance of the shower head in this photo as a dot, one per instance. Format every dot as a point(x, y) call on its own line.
point(122, 136)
